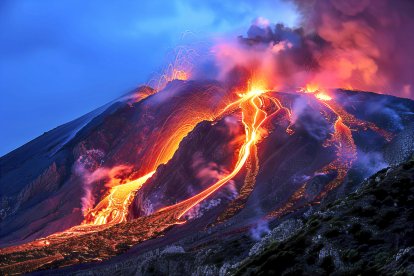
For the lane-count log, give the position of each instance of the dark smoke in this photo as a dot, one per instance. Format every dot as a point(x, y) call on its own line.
point(357, 44)
point(378, 34)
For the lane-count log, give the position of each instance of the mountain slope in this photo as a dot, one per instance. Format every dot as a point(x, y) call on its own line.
point(370, 231)
point(309, 151)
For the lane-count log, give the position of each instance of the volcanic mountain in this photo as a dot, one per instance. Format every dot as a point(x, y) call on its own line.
point(195, 164)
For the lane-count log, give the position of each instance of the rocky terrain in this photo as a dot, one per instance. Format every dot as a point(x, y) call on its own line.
point(367, 232)
point(370, 232)
point(296, 169)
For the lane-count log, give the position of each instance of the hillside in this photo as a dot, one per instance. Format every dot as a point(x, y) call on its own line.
point(370, 231)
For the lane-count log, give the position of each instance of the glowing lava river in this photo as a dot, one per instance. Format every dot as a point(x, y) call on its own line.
point(253, 117)
point(105, 218)
point(114, 207)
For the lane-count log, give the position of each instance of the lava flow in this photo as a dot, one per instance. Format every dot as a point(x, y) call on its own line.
point(346, 150)
point(257, 107)
point(114, 207)
point(253, 117)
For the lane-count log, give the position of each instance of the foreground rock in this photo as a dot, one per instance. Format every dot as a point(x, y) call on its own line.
point(369, 232)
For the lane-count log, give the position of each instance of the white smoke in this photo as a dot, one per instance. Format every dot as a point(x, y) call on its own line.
point(260, 229)
point(313, 122)
point(86, 162)
point(87, 167)
point(370, 162)
point(199, 210)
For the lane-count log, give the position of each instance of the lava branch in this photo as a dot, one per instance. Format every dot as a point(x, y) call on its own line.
point(346, 155)
point(114, 207)
point(253, 117)
point(346, 148)
point(252, 166)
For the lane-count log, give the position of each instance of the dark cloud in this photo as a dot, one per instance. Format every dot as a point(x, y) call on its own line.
point(358, 45)
point(375, 35)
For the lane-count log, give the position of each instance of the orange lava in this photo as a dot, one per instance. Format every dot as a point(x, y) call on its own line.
point(314, 88)
point(253, 117)
point(346, 155)
point(164, 142)
point(114, 207)
point(346, 150)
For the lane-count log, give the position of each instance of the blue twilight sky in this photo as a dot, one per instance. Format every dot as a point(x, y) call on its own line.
point(60, 59)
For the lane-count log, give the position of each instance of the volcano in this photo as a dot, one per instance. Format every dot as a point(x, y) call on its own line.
point(184, 170)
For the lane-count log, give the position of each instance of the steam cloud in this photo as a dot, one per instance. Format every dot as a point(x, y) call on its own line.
point(357, 44)
point(87, 166)
point(312, 122)
point(260, 229)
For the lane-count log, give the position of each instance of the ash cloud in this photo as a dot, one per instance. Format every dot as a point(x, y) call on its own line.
point(372, 40)
point(359, 45)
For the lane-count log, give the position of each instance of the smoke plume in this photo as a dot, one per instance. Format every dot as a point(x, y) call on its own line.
point(88, 167)
point(358, 44)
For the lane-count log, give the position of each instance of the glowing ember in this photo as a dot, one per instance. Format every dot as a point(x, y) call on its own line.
point(179, 69)
point(310, 88)
point(314, 88)
point(114, 207)
point(323, 96)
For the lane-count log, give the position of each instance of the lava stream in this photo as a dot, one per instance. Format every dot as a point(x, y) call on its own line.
point(253, 117)
point(114, 207)
point(346, 155)
point(164, 142)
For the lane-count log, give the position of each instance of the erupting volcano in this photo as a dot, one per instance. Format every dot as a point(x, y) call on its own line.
point(194, 161)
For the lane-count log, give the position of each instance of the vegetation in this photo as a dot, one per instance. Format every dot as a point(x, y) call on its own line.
point(369, 232)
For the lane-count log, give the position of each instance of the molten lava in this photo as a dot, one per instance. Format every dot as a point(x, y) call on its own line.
point(252, 106)
point(256, 106)
point(114, 207)
point(346, 150)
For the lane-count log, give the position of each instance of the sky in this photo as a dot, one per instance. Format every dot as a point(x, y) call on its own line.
point(62, 59)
